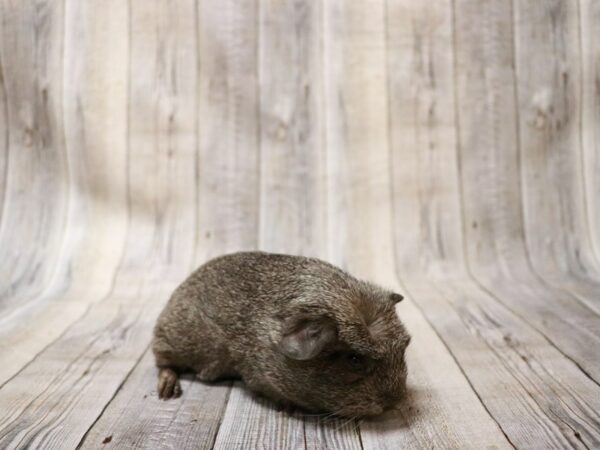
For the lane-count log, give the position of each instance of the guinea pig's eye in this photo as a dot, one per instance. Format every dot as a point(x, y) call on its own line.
point(355, 361)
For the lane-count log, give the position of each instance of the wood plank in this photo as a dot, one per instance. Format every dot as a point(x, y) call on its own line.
point(549, 124)
point(331, 433)
point(360, 224)
point(353, 77)
point(252, 422)
point(494, 232)
point(4, 137)
point(58, 396)
point(589, 23)
point(229, 159)
point(319, 128)
point(293, 174)
point(35, 190)
point(136, 418)
point(95, 118)
point(490, 234)
point(293, 164)
point(355, 119)
point(192, 420)
point(423, 139)
point(551, 134)
point(291, 184)
point(514, 370)
point(228, 129)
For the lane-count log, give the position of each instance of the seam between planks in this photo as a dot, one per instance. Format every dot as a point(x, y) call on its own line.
point(6, 142)
point(125, 378)
point(463, 221)
point(521, 175)
point(533, 327)
point(448, 349)
point(68, 199)
point(392, 197)
point(523, 233)
point(196, 231)
point(584, 182)
point(462, 208)
point(503, 363)
point(461, 200)
point(67, 329)
point(258, 143)
point(222, 415)
point(322, 107)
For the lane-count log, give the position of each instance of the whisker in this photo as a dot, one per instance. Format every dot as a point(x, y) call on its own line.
point(344, 423)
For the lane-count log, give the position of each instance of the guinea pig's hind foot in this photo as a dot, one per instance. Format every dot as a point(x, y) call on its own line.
point(168, 384)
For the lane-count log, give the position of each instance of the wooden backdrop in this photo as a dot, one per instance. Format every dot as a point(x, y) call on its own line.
point(448, 149)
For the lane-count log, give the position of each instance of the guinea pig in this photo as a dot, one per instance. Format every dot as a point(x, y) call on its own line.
point(297, 330)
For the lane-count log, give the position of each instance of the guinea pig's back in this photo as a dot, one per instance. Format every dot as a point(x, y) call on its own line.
point(227, 295)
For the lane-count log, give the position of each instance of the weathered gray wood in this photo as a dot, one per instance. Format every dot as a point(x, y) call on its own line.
point(589, 26)
point(486, 339)
point(292, 182)
point(350, 123)
point(35, 190)
point(65, 388)
point(359, 152)
point(136, 418)
point(252, 422)
point(551, 138)
point(498, 254)
point(445, 149)
point(293, 165)
point(489, 160)
point(4, 137)
point(229, 170)
point(423, 137)
point(58, 396)
point(192, 420)
point(549, 117)
point(228, 158)
point(96, 152)
point(331, 433)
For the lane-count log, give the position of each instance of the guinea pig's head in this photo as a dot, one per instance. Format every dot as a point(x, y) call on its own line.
point(344, 356)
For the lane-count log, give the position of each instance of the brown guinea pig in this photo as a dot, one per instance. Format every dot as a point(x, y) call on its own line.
point(295, 329)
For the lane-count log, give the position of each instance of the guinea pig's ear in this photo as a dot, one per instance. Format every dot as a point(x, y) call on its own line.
point(396, 298)
point(304, 338)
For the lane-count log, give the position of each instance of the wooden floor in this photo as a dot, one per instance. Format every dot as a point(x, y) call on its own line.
point(449, 150)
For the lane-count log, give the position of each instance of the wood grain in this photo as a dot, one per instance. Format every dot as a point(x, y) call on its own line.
point(358, 141)
point(293, 158)
point(589, 21)
point(447, 150)
point(70, 383)
point(229, 161)
point(136, 418)
point(466, 312)
point(35, 185)
point(96, 222)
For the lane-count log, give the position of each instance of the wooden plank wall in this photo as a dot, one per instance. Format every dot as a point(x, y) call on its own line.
point(446, 149)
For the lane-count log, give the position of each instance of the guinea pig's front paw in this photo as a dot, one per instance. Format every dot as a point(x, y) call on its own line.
point(168, 384)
